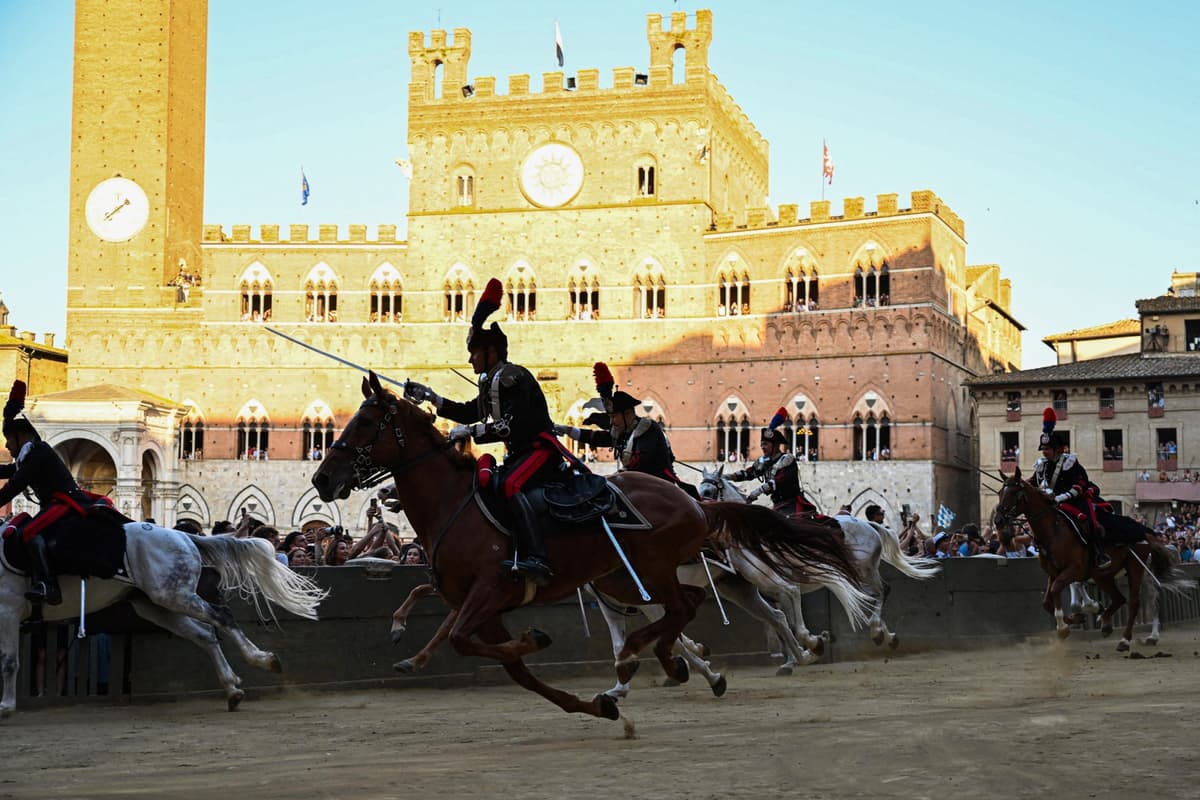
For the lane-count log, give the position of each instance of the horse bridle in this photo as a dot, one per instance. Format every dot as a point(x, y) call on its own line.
point(367, 474)
point(1007, 517)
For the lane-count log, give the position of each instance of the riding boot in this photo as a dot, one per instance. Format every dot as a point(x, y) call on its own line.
point(1102, 559)
point(44, 586)
point(530, 561)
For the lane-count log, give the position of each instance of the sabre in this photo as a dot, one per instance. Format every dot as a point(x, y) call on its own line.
point(713, 584)
point(338, 359)
point(587, 631)
point(82, 633)
point(624, 560)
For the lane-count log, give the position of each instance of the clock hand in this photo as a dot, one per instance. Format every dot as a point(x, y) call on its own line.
point(112, 213)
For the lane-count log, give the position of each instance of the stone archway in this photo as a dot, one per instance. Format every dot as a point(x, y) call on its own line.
point(92, 465)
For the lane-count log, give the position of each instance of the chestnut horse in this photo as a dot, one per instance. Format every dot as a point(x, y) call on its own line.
point(1066, 559)
point(436, 485)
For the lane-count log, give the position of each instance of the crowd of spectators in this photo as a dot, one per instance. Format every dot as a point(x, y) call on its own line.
point(966, 541)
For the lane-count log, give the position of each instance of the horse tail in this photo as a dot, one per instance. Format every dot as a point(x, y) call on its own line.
point(917, 567)
point(1165, 569)
point(799, 551)
point(249, 567)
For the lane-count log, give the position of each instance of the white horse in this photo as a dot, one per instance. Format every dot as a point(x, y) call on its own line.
point(870, 543)
point(163, 569)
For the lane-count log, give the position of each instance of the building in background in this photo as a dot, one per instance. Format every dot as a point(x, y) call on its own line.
point(627, 218)
point(1133, 418)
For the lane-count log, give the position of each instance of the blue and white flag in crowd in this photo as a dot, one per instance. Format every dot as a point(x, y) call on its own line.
point(303, 189)
point(944, 517)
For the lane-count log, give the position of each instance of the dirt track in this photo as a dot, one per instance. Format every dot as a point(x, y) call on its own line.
point(1036, 720)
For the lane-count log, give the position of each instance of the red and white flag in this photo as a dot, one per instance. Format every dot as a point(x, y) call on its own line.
point(827, 165)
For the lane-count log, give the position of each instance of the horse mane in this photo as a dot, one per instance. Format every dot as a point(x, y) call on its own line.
point(461, 460)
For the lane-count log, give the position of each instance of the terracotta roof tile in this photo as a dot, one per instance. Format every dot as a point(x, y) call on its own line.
point(1114, 368)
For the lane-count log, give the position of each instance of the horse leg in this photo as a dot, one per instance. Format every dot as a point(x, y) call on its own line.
point(10, 655)
point(679, 605)
point(400, 615)
point(715, 680)
point(483, 603)
point(1154, 601)
point(1135, 573)
point(202, 635)
point(616, 634)
point(874, 585)
point(1108, 585)
point(221, 618)
point(1054, 592)
point(417, 662)
point(747, 597)
point(493, 633)
point(792, 600)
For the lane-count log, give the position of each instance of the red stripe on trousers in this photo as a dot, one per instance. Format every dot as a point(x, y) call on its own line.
point(526, 469)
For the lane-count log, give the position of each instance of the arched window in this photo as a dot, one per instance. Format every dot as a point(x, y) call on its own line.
point(860, 287)
point(387, 295)
point(318, 432)
point(804, 439)
point(649, 292)
point(320, 295)
point(459, 291)
point(191, 434)
point(800, 285)
point(645, 177)
point(464, 187)
point(255, 287)
point(734, 433)
point(885, 286)
point(583, 288)
point(872, 437)
point(253, 432)
point(520, 289)
point(733, 289)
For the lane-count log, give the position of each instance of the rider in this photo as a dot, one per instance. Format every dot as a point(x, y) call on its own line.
point(639, 443)
point(38, 467)
point(778, 472)
point(510, 408)
point(1061, 477)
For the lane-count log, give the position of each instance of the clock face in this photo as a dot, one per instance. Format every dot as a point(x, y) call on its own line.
point(552, 175)
point(117, 209)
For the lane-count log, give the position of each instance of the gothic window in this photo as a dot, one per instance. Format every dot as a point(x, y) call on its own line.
point(253, 432)
point(584, 293)
point(733, 294)
point(804, 437)
point(872, 286)
point(645, 179)
point(464, 188)
point(191, 434)
point(387, 295)
point(255, 287)
point(650, 293)
point(800, 286)
point(734, 434)
point(885, 286)
point(320, 295)
point(521, 291)
point(459, 291)
point(317, 431)
point(872, 437)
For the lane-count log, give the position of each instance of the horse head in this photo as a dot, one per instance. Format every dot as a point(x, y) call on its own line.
point(710, 483)
point(373, 443)
point(1012, 500)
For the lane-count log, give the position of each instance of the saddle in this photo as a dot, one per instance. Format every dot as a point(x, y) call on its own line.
point(90, 546)
point(572, 503)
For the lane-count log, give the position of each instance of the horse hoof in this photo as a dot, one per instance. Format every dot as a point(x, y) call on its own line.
point(626, 671)
point(274, 665)
point(1106, 630)
point(617, 692)
point(1064, 633)
point(818, 647)
point(235, 699)
point(718, 688)
point(681, 669)
point(397, 636)
point(606, 705)
point(877, 638)
point(1150, 640)
point(405, 667)
point(894, 643)
point(783, 671)
point(1122, 646)
point(541, 639)
point(670, 682)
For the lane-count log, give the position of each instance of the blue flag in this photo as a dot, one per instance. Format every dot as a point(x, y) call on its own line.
point(944, 517)
point(303, 189)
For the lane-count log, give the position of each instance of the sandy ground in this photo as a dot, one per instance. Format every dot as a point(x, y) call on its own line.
point(1041, 719)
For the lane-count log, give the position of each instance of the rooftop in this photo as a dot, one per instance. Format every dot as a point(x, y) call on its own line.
point(109, 393)
point(1122, 327)
point(1157, 305)
point(1132, 367)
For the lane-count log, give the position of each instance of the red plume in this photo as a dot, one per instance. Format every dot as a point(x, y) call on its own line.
point(1049, 416)
point(16, 400)
point(604, 379)
point(493, 293)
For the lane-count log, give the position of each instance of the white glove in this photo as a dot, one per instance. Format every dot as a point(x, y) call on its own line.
point(1048, 492)
point(1062, 498)
point(460, 432)
point(419, 393)
point(769, 486)
point(750, 498)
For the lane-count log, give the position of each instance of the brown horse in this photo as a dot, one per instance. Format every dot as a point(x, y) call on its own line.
point(1066, 559)
point(436, 485)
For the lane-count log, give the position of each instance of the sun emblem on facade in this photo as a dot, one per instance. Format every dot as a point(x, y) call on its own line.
point(552, 175)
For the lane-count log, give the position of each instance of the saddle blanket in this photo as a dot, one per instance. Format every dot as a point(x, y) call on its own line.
point(623, 514)
point(92, 546)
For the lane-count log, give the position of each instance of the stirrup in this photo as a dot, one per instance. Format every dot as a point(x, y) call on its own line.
point(46, 596)
point(532, 568)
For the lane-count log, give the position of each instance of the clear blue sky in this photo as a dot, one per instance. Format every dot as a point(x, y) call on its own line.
point(1065, 134)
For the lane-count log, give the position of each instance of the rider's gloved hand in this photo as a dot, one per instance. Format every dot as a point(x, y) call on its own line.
point(566, 430)
point(461, 432)
point(1062, 498)
point(769, 487)
point(420, 393)
point(750, 498)
point(1048, 492)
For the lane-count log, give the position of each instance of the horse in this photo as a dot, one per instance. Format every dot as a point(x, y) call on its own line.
point(869, 542)
point(391, 435)
point(1066, 559)
point(163, 568)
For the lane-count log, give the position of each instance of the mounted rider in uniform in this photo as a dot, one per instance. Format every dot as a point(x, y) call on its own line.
point(510, 408)
point(36, 466)
point(1061, 477)
point(778, 472)
point(639, 443)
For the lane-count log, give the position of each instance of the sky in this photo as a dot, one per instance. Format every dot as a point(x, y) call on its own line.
point(1063, 133)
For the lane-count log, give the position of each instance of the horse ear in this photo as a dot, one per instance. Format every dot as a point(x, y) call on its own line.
point(1017, 473)
point(721, 469)
point(376, 386)
point(366, 388)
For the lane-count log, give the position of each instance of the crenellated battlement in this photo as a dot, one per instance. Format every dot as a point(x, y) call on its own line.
point(300, 233)
point(923, 201)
